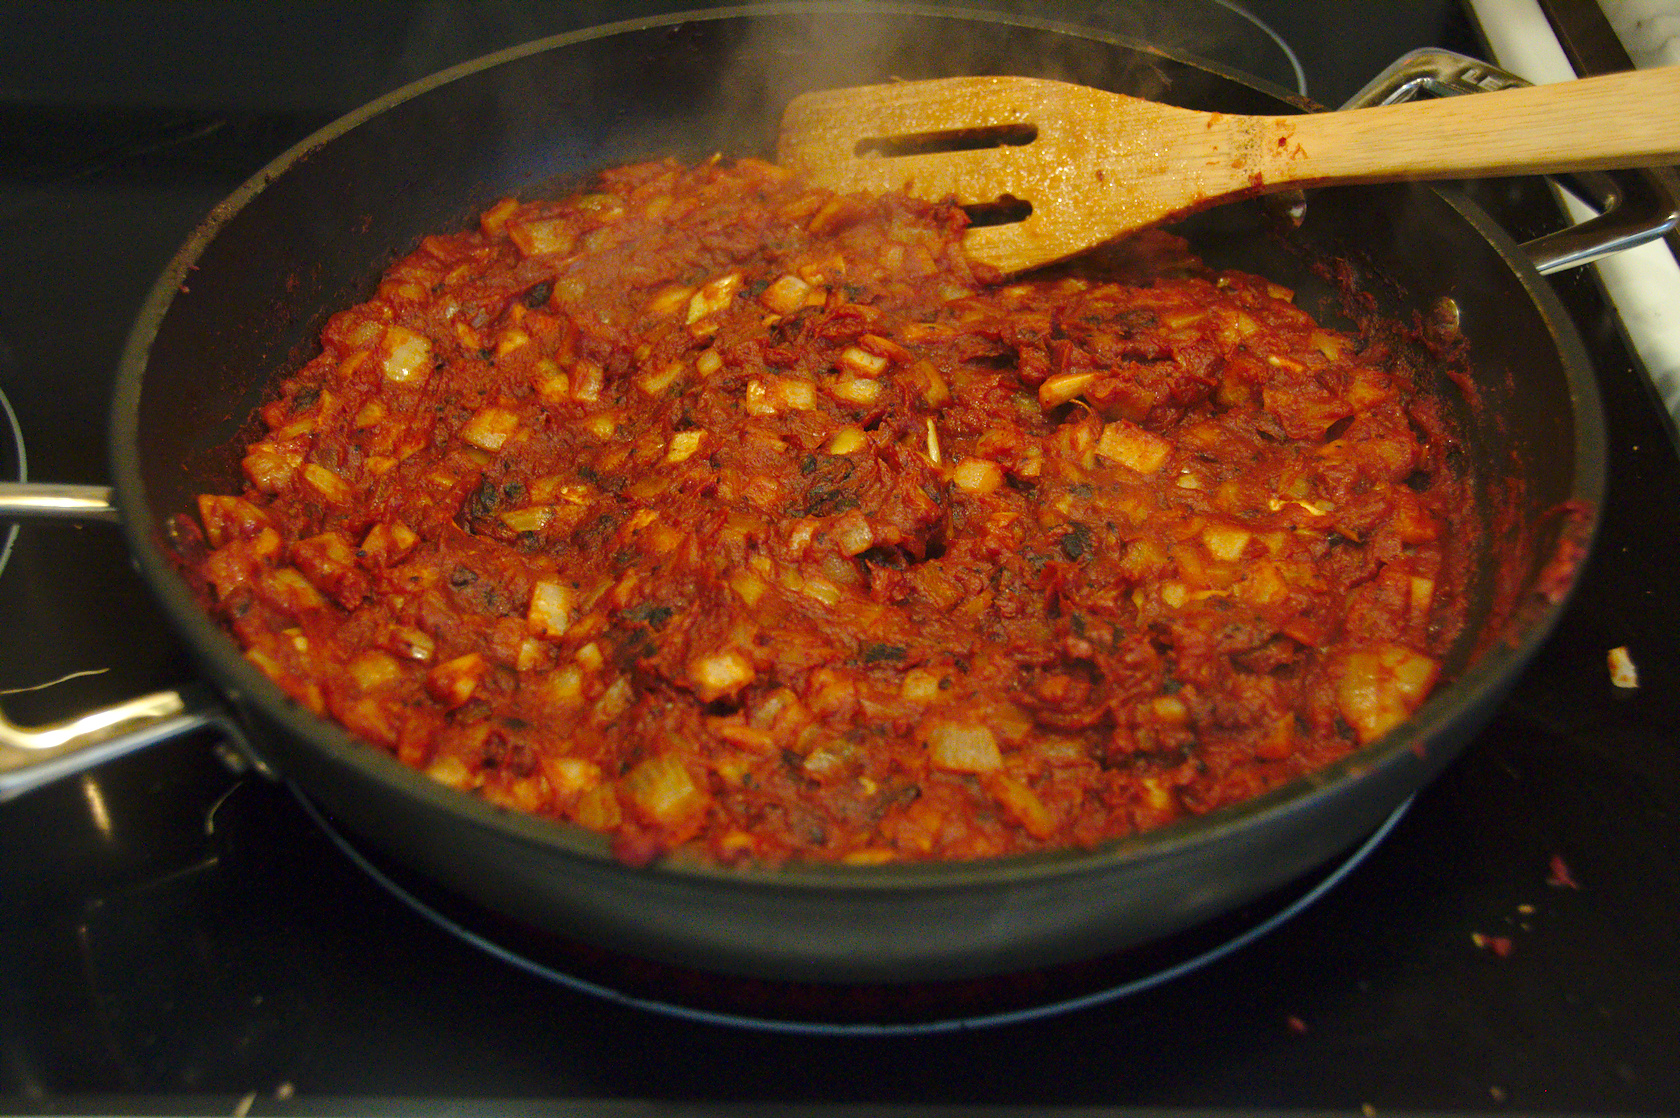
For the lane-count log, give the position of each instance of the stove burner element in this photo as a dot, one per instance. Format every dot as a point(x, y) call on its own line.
point(819, 1009)
point(13, 460)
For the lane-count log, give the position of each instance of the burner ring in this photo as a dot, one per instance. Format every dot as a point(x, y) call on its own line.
point(811, 1009)
point(12, 454)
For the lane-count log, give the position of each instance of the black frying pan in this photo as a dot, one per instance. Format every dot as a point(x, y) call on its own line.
point(245, 297)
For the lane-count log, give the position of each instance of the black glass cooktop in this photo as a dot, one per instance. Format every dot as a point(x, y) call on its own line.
point(180, 936)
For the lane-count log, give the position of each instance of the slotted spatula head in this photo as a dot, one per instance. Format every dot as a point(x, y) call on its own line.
point(983, 140)
point(1092, 165)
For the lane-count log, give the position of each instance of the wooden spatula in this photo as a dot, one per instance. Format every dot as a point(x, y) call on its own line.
point(1093, 164)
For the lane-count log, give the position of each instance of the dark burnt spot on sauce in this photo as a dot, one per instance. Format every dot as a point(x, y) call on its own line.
point(537, 297)
point(876, 653)
point(462, 576)
point(483, 501)
point(1076, 544)
point(653, 616)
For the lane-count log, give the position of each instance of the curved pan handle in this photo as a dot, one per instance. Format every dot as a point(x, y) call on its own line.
point(31, 756)
point(1634, 206)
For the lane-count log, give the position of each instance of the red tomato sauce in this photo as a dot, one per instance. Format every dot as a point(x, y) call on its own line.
point(744, 522)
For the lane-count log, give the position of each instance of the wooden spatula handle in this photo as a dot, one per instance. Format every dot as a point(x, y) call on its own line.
point(1616, 120)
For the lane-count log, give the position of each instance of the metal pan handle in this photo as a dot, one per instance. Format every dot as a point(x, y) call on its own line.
point(31, 756)
point(1634, 206)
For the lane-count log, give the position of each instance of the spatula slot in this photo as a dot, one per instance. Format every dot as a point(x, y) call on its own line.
point(956, 139)
point(1007, 210)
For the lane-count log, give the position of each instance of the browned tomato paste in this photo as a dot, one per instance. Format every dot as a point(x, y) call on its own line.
point(745, 522)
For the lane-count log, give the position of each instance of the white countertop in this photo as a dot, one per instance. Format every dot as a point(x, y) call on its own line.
point(1644, 283)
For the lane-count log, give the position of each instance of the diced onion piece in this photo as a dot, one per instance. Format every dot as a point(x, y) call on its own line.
point(668, 300)
point(1328, 344)
point(615, 700)
point(748, 585)
point(571, 775)
point(371, 414)
point(846, 440)
point(1422, 596)
point(786, 295)
point(1236, 326)
point(564, 686)
point(713, 297)
point(920, 685)
point(552, 385)
point(408, 355)
point(958, 747)
point(857, 390)
point(597, 808)
point(935, 392)
point(1624, 673)
point(759, 401)
point(494, 220)
point(411, 643)
point(1157, 795)
point(1023, 803)
point(490, 428)
point(452, 771)
point(1263, 585)
point(851, 533)
point(388, 543)
point(656, 382)
point(862, 362)
point(371, 670)
point(228, 518)
point(586, 382)
point(550, 613)
point(1133, 447)
point(800, 395)
point(661, 790)
point(977, 476)
point(271, 467)
point(289, 589)
point(1380, 686)
point(683, 445)
point(708, 362)
point(329, 485)
point(1225, 542)
point(532, 519)
point(821, 589)
point(510, 340)
point(302, 425)
point(1063, 387)
point(590, 657)
point(719, 674)
point(542, 237)
point(453, 682)
point(1169, 709)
